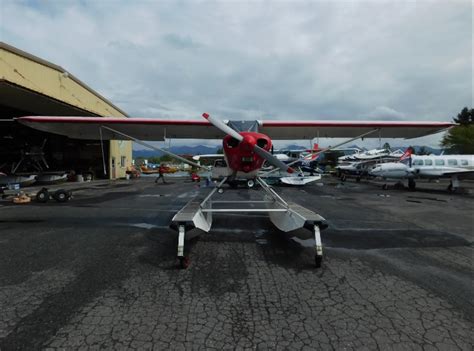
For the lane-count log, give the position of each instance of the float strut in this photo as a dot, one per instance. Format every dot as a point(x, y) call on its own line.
point(181, 241)
point(319, 247)
point(183, 260)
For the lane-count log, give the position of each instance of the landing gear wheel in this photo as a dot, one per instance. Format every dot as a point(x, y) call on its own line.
point(450, 187)
point(42, 196)
point(343, 177)
point(318, 261)
point(411, 184)
point(61, 195)
point(184, 262)
point(358, 179)
point(250, 183)
point(385, 187)
point(398, 185)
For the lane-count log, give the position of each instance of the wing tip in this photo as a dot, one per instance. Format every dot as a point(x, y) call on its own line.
point(205, 115)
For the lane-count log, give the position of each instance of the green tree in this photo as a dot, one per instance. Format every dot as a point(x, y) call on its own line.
point(166, 158)
point(460, 139)
point(465, 117)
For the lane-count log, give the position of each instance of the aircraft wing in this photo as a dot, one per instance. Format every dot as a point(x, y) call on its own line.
point(139, 128)
point(159, 129)
point(298, 130)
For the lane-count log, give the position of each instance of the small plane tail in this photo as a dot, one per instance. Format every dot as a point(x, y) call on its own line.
point(406, 157)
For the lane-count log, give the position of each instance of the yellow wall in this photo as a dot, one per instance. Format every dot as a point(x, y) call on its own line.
point(117, 150)
point(45, 78)
point(53, 83)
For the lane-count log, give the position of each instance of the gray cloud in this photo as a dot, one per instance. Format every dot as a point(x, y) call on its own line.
point(180, 41)
point(280, 60)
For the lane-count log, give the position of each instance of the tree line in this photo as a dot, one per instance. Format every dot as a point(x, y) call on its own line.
point(460, 139)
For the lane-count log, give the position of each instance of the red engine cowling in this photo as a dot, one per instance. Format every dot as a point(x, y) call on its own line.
point(240, 155)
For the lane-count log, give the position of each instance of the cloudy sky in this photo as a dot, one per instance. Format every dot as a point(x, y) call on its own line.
point(359, 60)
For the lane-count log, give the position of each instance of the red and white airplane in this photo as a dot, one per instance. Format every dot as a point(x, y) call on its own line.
point(246, 145)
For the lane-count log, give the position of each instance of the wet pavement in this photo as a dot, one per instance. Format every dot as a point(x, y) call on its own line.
point(100, 272)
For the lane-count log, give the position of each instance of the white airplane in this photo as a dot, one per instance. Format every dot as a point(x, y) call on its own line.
point(246, 146)
point(455, 167)
point(370, 155)
point(359, 164)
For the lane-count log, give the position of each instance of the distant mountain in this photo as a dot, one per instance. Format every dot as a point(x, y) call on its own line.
point(201, 150)
point(180, 150)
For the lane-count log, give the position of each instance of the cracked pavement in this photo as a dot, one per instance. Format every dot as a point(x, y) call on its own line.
point(100, 272)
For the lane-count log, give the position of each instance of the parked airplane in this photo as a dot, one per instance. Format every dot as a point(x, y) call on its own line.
point(359, 164)
point(246, 146)
point(455, 167)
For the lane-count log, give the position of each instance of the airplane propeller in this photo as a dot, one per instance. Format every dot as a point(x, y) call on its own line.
point(257, 149)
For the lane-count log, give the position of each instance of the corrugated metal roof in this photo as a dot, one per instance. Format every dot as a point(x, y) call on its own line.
point(38, 60)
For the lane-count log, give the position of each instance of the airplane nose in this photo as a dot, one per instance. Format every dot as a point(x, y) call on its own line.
point(248, 143)
point(375, 171)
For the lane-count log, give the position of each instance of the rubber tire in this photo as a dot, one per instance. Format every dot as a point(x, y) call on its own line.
point(42, 196)
point(343, 178)
point(61, 195)
point(385, 187)
point(318, 261)
point(183, 262)
point(411, 185)
point(358, 179)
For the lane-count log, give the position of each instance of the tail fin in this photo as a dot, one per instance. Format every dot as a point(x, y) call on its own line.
point(311, 157)
point(407, 156)
point(314, 149)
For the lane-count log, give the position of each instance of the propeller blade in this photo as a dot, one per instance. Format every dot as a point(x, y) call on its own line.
point(272, 159)
point(258, 150)
point(222, 126)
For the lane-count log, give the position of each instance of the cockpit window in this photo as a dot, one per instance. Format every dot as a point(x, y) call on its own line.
point(428, 162)
point(439, 162)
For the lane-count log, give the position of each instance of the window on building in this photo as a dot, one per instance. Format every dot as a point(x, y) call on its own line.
point(452, 162)
point(123, 160)
point(439, 162)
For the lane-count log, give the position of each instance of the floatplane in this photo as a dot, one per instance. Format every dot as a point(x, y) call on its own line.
point(246, 145)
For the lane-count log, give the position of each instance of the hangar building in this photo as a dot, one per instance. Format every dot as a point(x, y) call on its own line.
point(30, 86)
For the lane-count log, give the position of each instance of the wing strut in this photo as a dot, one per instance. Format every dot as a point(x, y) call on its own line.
point(102, 148)
point(182, 159)
point(325, 150)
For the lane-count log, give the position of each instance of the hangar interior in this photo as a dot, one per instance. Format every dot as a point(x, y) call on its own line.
point(32, 86)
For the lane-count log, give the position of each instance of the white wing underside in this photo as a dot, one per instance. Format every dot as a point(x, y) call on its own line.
point(159, 129)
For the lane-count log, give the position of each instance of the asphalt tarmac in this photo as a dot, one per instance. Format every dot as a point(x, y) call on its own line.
point(100, 272)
